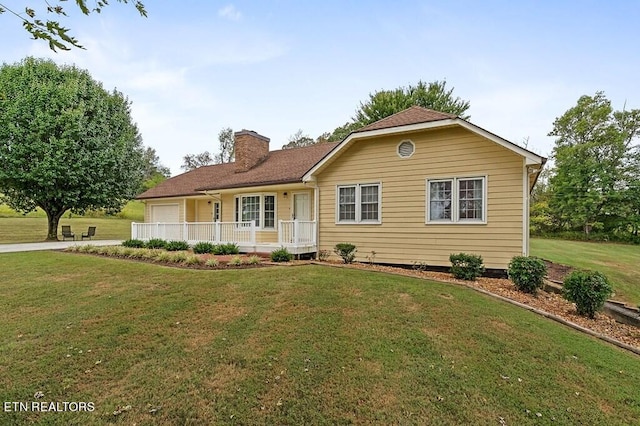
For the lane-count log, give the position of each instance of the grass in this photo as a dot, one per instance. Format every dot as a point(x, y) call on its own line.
point(18, 228)
point(619, 262)
point(321, 346)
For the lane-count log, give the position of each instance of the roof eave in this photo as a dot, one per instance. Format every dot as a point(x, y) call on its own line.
point(531, 158)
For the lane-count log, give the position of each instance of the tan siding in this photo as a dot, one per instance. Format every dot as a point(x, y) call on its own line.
point(204, 210)
point(403, 237)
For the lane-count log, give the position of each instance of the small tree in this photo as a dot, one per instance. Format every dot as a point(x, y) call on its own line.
point(65, 142)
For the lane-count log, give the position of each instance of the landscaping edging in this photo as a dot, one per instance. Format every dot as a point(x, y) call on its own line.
point(545, 314)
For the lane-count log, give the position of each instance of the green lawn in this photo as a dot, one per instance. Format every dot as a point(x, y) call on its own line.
point(303, 345)
point(17, 228)
point(620, 262)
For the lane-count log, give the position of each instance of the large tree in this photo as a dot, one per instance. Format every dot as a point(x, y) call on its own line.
point(596, 178)
point(227, 143)
point(65, 142)
point(154, 171)
point(299, 139)
point(384, 103)
point(50, 29)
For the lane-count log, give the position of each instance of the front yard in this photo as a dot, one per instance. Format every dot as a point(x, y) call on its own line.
point(296, 345)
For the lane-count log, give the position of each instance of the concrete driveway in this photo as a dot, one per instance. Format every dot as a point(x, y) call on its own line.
point(54, 245)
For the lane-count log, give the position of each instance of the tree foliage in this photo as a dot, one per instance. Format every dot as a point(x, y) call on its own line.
point(384, 103)
point(65, 142)
point(154, 171)
point(299, 139)
point(597, 177)
point(52, 30)
point(227, 144)
point(193, 161)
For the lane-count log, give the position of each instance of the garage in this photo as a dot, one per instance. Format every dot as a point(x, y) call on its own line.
point(165, 213)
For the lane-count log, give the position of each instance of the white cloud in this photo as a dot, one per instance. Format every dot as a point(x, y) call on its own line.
point(230, 12)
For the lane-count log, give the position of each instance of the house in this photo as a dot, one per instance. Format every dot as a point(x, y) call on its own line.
point(413, 187)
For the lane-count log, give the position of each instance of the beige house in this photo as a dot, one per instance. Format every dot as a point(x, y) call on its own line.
point(413, 187)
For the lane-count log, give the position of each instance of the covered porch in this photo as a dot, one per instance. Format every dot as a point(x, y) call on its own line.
point(297, 236)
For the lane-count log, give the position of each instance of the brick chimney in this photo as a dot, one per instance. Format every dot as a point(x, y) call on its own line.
point(250, 149)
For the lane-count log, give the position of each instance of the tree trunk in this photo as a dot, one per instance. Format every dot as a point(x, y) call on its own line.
point(53, 218)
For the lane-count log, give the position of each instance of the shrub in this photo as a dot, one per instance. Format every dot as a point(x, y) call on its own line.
point(466, 266)
point(133, 243)
point(212, 262)
point(323, 255)
point(156, 243)
point(223, 249)
point(588, 290)
point(281, 255)
point(527, 273)
point(193, 260)
point(178, 257)
point(254, 260)
point(164, 256)
point(203, 247)
point(176, 246)
point(235, 261)
point(346, 251)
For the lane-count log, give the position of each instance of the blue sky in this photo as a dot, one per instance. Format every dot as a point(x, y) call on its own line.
point(193, 67)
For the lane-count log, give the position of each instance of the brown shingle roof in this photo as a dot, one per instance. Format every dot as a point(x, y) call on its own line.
point(411, 115)
point(283, 166)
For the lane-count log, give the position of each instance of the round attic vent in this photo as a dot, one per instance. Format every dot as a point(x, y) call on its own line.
point(406, 149)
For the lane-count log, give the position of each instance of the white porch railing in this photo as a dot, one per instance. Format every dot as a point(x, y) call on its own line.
point(192, 232)
point(296, 232)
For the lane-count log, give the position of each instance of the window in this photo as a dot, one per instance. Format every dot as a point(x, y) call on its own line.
point(261, 209)
point(216, 211)
point(358, 203)
point(456, 200)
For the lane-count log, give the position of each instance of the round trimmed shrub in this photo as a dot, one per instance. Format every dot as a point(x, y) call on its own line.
point(588, 290)
point(466, 266)
point(346, 251)
point(527, 273)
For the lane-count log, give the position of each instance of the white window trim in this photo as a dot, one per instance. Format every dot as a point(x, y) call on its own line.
point(455, 191)
point(238, 202)
point(398, 148)
point(357, 221)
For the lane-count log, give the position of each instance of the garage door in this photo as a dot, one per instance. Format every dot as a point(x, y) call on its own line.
point(165, 213)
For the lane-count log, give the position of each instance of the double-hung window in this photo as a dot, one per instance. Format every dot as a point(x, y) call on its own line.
point(259, 209)
point(459, 200)
point(358, 203)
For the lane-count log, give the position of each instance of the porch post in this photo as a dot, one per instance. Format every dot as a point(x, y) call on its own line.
point(280, 231)
point(134, 234)
point(216, 237)
point(253, 232)
point(296, 233)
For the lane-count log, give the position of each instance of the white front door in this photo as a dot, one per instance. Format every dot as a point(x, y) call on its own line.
point(301, 206)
